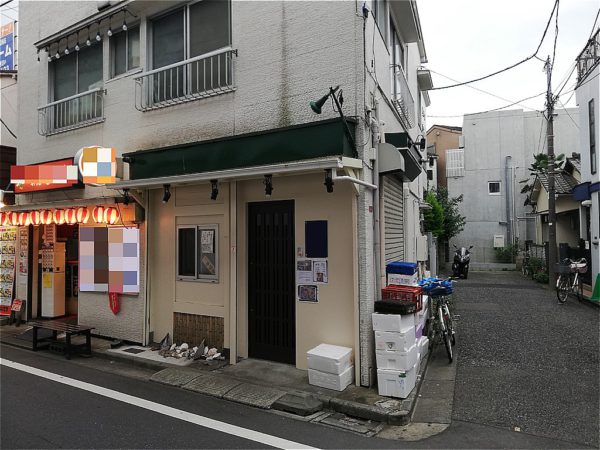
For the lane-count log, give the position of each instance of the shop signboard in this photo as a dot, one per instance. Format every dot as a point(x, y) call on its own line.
point(8, 242)
point(7, 47)
point(43, 177)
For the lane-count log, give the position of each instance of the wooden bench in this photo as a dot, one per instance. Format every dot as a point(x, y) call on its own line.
point(70, 330)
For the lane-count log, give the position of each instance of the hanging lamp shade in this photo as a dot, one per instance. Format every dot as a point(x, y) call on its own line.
point(71, 216)
point(59, 216)
point(98, 214)
point(34, 217)
point(3, 218)
point(46, 217)
point(83, 214)
point(111, 215)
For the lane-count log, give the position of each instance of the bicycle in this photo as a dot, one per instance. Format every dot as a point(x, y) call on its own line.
point(439, 321)
point(569, 281)
point(525, 267)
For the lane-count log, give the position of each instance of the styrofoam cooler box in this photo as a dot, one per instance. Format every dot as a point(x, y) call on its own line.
point(403, 280)
point(329, 358)
point(393, 342)
point(330, 380)
point(396, 383)
point(392, 322)
point(423, 345)
point(400, 360)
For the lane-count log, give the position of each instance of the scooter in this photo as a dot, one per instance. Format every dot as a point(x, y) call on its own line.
point(460, 266)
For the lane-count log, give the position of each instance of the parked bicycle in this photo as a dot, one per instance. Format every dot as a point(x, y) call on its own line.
point(526, 267)
point(569, 281)
point(440, 325)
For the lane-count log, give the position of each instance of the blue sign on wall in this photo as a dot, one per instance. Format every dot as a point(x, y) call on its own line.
point(7, 48)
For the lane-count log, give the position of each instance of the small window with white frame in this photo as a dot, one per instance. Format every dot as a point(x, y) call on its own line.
point(494, 187)
point(124, 51)
point(197, 252)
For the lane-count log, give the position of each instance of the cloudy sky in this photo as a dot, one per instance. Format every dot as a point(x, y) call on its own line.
point(466, 39)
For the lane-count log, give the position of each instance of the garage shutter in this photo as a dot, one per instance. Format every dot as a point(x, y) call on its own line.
point(393, 210)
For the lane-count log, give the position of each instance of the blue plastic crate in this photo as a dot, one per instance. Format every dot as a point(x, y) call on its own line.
point(402, 268)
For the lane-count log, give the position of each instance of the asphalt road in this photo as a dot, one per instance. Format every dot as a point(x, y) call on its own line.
point(526, 361)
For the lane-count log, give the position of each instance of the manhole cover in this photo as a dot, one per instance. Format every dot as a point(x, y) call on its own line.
point(135, 351)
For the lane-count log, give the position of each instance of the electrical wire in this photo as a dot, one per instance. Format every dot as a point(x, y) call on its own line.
point(568, 113)
point(594, 26)
point(509, 67)
point(540, 138)
point(9, 130)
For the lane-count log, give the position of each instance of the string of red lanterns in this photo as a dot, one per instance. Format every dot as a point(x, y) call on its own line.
point(72, 216)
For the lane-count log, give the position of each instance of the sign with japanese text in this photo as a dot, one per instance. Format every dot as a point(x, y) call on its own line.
point(7, 48)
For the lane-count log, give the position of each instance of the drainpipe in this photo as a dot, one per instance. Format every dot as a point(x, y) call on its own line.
point(376, 138)
point(507, 179)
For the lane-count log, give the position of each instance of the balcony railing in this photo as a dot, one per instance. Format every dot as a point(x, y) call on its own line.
point(589, 57)
point(73, 112)
point(403, 100)
point(195, 78)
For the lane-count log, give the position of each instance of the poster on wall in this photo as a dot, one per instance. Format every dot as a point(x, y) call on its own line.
point(23, 263)
point(308, 293)
point(320, 274)
point(109, 260)
point(304, 271)
point(8, 242)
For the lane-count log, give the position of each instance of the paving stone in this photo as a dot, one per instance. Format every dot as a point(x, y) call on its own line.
point(174, 377)
point(214, 385)
point(254, 395)
point(300, 403)
point(433, 410)
point(351, 424)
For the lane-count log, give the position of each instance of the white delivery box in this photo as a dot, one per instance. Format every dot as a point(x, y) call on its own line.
point(402, 280)
point(396, 383)
point(394, 342)
point(400, 360)
point(331, 381)
point(423, 345)
point(392, 322)
point(329, 358)
point(419, 331)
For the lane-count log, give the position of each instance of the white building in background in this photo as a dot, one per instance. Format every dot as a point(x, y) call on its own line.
point(588, 192)
point(498, 150)
point(208, 105)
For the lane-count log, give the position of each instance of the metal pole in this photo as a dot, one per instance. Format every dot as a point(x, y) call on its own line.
point(551, 186)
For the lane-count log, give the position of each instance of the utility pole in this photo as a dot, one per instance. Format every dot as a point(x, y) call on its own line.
point(552, 250)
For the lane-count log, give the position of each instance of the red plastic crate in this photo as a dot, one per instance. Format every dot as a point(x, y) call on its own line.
point(413, 294)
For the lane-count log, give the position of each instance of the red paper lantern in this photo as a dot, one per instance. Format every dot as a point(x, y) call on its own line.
point(59, 216)
point(3, 218)
point(83, 214)
point(34, 217)
point(98, 214)
point(23, 218)
point(46, 217)
point(71, 216)
point(111, 215)
point(14, 219)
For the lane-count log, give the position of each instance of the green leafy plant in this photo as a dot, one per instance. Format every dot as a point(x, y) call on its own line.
point(454, 223)
point(434, 217)
point(540, 165)
point(541, 277)
point(536, 265)
point(506, 254)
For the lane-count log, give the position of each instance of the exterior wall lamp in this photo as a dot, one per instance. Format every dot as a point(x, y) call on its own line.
point(338, 98)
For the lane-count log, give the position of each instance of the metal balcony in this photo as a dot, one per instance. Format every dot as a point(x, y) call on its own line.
point(403, 100)
point(73, 112)
point(588, 58)
point(195, 78)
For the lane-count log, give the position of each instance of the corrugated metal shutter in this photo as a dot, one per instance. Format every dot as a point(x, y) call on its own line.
point(393, 210)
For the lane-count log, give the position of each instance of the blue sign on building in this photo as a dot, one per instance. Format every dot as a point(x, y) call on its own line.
point(7, 49)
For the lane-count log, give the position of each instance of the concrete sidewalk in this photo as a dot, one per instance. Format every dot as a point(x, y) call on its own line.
point(257, 383)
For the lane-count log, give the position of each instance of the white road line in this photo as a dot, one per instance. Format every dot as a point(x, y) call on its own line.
point(223, 427)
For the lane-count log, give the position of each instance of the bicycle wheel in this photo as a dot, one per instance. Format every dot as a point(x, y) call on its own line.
point(580, 289)
point(450, 325)
point(562, 288)
point(448, 345)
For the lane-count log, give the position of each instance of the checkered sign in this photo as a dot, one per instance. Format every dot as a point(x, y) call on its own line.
point(99, 165)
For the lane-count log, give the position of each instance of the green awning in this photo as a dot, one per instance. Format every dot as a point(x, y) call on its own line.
point(296, 143)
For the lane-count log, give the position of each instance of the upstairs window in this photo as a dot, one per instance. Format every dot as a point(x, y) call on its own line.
point(77, 72)
point(397, 58)
point(455, 163)
point(125, 51)
point(592, 128)
point(380, 15)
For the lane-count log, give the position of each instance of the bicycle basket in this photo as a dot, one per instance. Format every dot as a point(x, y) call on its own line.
point(562, 268)
point(579, 267)
point(440, 290)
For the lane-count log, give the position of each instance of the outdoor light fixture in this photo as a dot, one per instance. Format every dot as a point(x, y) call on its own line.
point(124, 23)
point(109, 31)
point(268, 182)
point(126, 197)
point(422, 142)
point(57, 56)
point(214, 189)
point(88, 42)
point(329, 180)
point(77, 45)
point(98, 37)
point(167, 193)
point(338, 99)
point(38, 56)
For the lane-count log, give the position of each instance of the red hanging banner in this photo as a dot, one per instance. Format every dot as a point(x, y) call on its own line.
point(114, 302)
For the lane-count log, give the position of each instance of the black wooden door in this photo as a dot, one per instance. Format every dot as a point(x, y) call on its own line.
point(271, 281)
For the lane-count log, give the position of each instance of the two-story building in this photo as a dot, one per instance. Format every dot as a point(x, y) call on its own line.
point(587, 193)
point(262, 222)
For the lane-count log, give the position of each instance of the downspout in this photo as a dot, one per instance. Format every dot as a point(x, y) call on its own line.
point(376, 137)
point(507, 180)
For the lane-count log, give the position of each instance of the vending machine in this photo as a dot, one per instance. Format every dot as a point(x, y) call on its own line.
point(53, 280)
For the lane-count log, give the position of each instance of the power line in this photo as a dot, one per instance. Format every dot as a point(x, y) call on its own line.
point(594, 26)
point(9, 130)
point(540, 138)
point(568, 113)
point(509, 67)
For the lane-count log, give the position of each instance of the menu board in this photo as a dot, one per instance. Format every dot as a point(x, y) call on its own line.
point(8, 243)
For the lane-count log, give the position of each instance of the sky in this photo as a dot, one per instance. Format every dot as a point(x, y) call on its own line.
point(466, 39)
